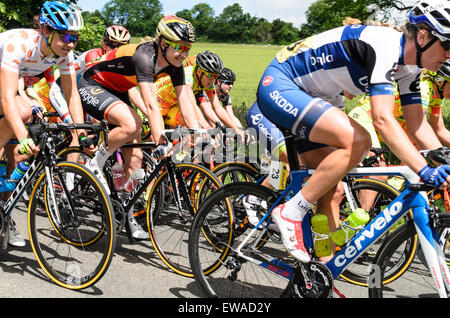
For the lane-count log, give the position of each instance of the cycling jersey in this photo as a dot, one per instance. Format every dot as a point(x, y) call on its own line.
point(358, 59)
point(167, 98)
point(20, 52)
point(431, 103)
point(123, 68)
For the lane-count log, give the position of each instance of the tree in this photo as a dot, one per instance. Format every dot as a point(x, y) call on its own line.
point(92, 33)
point(323, 15)
point(283, 32)
point(201, 16)
point(19, 14)
point(232, 25)
point(140, 17)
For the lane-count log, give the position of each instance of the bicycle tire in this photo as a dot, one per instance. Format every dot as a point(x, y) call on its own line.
point(68, 262)
point(217, 229)
point(168, 232)
point(236, 172)
point(358, 272)
point(416, 283)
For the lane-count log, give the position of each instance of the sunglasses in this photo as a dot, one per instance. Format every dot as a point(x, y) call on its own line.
point(179, 48)
point(68, 38)
point(210, 75)
point(445, 43)
point(227, 82)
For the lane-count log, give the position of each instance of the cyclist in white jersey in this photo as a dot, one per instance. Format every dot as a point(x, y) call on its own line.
point(356, 59)
point(25, 52)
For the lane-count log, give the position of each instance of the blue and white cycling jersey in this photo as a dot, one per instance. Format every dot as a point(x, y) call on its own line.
point(358, 59)
point(355, 58)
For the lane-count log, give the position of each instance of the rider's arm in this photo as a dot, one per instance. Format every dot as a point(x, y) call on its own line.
point(419, 128)
point(209, 112)
point(230, 112)
point(221, 112)
point(8, 85)
point(136, 99)
point(438, 125)
point(69, 87)
point(148, 93)
point(393, 134)
point(188, 106)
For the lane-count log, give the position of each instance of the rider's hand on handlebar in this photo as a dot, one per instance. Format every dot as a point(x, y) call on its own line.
point(435, 176)
point(27, 147)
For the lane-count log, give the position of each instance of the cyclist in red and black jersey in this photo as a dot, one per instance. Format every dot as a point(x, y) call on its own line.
point(106, 82)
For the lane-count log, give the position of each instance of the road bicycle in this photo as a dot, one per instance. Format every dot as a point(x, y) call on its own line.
point(165, 200)
point(74, 240)
point(228, 261)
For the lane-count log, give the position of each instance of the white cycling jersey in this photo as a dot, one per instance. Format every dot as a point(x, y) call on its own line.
point(20, 52)
point(356, 58)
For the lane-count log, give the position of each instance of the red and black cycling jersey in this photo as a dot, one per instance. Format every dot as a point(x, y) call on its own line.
point(125, 67)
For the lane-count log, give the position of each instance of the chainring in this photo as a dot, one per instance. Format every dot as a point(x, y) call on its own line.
point(312, 280)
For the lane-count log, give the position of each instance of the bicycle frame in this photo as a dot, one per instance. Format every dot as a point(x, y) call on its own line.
point(407, 200)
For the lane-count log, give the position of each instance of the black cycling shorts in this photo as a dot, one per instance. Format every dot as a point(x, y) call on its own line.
point(96, 99)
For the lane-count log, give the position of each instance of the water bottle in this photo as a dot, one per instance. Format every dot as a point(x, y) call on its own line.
point(118, 176)
point(346, 230)
point(137, 175)
point(321, 235)
point(3, 176)
point(17, 174)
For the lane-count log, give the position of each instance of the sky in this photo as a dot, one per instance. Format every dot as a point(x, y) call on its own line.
point(285, 10)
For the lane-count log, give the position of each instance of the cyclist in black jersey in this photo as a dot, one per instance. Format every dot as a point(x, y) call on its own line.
point(107, 80)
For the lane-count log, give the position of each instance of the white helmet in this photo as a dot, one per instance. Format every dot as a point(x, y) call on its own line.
point(435, 13)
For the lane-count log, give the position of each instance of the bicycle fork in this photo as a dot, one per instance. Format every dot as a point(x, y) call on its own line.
point(433, 251)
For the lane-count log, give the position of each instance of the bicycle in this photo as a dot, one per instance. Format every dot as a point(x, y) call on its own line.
point(76, 206)
point(228, 262)
point(164, 200)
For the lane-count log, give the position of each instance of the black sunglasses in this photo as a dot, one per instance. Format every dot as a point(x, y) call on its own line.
point(446, 45)
point(227, 82)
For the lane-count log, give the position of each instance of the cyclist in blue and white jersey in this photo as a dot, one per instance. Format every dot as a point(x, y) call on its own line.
point(357, 59)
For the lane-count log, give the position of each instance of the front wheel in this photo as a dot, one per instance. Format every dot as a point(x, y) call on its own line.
point(74, 240)
point(169, 215)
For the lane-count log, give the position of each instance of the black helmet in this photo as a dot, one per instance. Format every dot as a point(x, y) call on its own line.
point(209, 62)
point(444, 70)
point(227, 75)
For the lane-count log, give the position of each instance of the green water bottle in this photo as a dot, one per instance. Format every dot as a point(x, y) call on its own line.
point(321, 235)
point(344, 233)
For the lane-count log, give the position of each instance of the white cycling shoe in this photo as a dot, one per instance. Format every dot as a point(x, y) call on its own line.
point(291, 235)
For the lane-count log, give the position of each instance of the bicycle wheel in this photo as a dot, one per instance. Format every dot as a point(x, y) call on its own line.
point(75, 246)
point(169, 224)
point(236, 172)
point(218, 229)
point(358, 272)
point(416, 282)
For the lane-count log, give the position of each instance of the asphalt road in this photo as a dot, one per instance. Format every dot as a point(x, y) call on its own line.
point(136, 272)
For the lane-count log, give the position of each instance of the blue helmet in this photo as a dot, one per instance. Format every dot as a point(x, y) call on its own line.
point(435, 13)
point(61, 16)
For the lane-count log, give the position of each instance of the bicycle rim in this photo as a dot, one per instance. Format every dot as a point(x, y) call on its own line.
point(168, 227)
point(74, 247)
point(358, 272)
point(219, 227)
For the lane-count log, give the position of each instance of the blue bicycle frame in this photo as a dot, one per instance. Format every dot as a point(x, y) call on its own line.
point(406, 201)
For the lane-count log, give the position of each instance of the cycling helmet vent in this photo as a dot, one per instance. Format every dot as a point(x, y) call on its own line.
point(61, 16)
